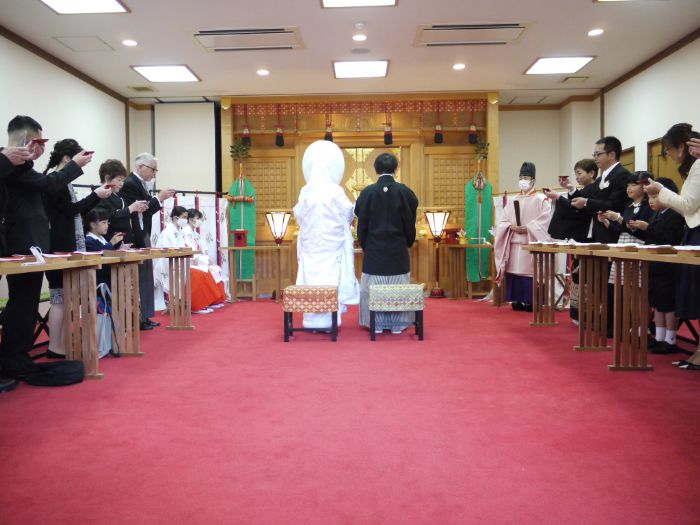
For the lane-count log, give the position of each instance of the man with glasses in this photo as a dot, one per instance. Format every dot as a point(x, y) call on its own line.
point(136, 188)
point(609, 193)
point(609, 189)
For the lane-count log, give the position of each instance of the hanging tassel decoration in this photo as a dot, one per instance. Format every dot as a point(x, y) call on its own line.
point(245, 140)
point(329, 127)
point(279, 135)
point(388, 134)
point(472, 131)
point(438, 128)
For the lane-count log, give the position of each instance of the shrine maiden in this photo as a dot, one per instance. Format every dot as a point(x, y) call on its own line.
point(528, 224)
point(205, 293)
point(200, 259)
point(325, 243)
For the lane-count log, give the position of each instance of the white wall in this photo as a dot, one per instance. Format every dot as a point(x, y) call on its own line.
point(185, 136)
point(140, 133)
point(65, 106)
point(644, 107)
point(529, 136)
point(579, 124)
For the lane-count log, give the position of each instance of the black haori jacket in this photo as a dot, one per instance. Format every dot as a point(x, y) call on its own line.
point(386, 226)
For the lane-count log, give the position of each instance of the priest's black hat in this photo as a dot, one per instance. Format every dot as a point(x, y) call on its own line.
point(527, 169)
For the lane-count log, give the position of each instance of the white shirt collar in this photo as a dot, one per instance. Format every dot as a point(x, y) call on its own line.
point(607, 172)
point(98, 237)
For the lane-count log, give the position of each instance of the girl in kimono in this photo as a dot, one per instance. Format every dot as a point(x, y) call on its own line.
point(204, 290)
point(201, 260)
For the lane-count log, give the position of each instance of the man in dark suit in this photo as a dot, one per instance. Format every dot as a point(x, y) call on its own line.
point(10, 157)
point(136, 189)
point(386, 229)
point(609, 191)
point(27, 225)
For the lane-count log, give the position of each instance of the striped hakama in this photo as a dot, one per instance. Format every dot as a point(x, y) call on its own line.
point(384, 320)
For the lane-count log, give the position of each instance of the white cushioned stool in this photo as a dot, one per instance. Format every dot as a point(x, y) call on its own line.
point(396, 298)
point(309, 299)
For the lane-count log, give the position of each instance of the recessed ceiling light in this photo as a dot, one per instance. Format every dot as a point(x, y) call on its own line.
point(357, 3)
point(359, 37)
point(77, 7)
point(361, 69)
point(263, 72)
point(595, 32)
point(553, 66)
point(130, 43)
point(166, 73)
point(459, 66)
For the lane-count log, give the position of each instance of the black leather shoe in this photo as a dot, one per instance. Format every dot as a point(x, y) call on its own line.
point(54, 355)
point(7, 384)
point(153, 323)
point(146, 326)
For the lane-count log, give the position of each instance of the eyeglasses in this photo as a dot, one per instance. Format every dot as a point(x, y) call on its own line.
point(597, 154)
point(151, 167)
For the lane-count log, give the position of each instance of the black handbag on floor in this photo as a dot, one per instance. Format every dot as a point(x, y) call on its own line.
point(54, 374)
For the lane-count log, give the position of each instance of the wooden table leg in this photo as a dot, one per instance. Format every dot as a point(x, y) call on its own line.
point(80, 319)
point(125, 286)
point(180, 296)
point(543, 289)
point(593, 298)
point(232, 280)
point(631, 316)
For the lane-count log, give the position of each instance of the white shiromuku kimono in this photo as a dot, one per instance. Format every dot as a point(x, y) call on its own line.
point(535, 214)
point(325, 243)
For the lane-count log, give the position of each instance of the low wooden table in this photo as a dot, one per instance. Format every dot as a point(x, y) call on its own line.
point(79, 303)
point(631, 300)
point(232, 279)
point(457, 266)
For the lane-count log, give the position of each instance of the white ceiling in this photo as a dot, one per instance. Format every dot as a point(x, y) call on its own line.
point(634, 32)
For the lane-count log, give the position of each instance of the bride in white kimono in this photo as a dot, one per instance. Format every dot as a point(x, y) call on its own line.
point(325, 243)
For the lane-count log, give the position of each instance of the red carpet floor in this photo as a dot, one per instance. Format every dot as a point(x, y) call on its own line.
point(486, 421)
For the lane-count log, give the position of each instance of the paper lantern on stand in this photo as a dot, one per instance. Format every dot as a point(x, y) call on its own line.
point(437, 220)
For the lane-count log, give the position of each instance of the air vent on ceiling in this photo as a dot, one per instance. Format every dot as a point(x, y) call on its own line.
point(84, 43)
point(527, 100)
point(250, 39)
point(574, 80)
point(467, 34)
point(142, 89)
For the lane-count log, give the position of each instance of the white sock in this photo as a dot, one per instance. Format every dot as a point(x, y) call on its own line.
point(660, 333)
point(671, 337)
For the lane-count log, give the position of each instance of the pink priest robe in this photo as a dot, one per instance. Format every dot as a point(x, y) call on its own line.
point(535, 214)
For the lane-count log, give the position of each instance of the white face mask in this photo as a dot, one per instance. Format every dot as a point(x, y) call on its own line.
point(524, 185)
point(182, 223)
point(197, 223)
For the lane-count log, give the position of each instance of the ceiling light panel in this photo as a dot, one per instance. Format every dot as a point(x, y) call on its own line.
point(166, 73)
point(79, 7)
point(558, 65)
point(361, 69)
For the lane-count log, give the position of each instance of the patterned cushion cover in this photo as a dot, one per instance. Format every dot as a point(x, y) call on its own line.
point(396, 297)
point(310, 299)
